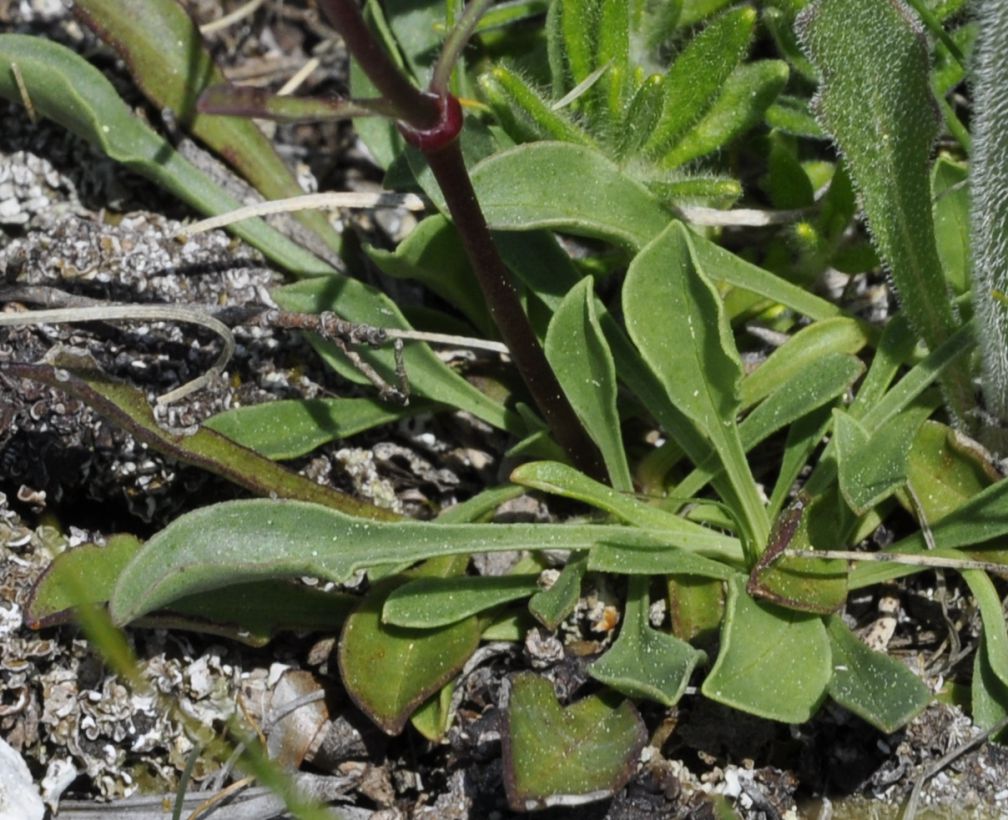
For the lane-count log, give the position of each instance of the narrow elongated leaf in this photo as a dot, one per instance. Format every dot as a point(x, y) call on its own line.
point(565, 186)
point(127, 407)
point(258, 539)
point(69, 90)
point(580, 357)
point(698, 74)
point(773, 662)
point(166, 57)
point(433, 254)
point(643, 662)
point(428, 375)
point(432, 602)
point(389, 671)
point(523, 112)
point(556, 755)
point(872, 467)
point(627, 559)
point(875, 100)
point(950, 208)
point(873, 686)
point(560, 479)
point(995, 631)
point(290, 428)
point(745, 97)
point(989, 693)
point(251, 613)
point(693, 355)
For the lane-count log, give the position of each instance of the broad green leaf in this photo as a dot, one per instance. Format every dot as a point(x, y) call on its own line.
point(872, 685)
point(876, 102)
point(555, 755)
point(251, 613)
point(693, 355)
point(257, 539)
point(127, 407)
point(805, 581)
point(697, 76)
point(695, 606)
point(290, 428)
point(820, 382)
point(578, 353)
point(551, 606)
point(745, 97)
point(166, 57)
point(995, 633)
point(523, 112)
point(872, 467)
point(560, 479)
point(808, 345)
point(431, 602)
point(433, 254)
point(774, 662)
point(943, 473)
point(566, 187)
point(643, 662)
point(428, 375)
point(950, 209)
point(67, 89)
point(388, 671)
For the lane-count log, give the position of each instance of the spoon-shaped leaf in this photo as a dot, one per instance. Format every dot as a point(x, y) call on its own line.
point(555, 755)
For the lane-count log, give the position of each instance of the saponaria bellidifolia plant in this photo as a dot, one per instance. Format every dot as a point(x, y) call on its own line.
point(707, 181)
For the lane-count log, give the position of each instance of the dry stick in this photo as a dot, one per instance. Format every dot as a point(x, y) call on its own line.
point(904, 559)
point(911, 807)
point(162, 313)
point(229, 19)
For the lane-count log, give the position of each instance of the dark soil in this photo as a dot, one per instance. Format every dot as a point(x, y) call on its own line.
point(74, 223)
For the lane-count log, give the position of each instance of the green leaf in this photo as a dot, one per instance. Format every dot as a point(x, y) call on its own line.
point(774, 662)
point(820, 382)
point(792, 116)
point(556, 755)
point(428, 375)
point(257, 539)
point(808, 345)
point(70, 91)
point(433, 255)
point(578, 353)
point(523, 112)
point(950, 208)
point(989, 693)
point(943, 472)
point(627, 559)
point(166, 57)
point(251, 613)
point(431, 602)
point(873, 466)
point(551, 606)
point(290, 428)
point(566, 187)
point(433, 718)
point(560, 479)
point(698, 75)
point(746, 95)
point(876, 102)
point(693, 355)
point(127, 407)
point(579, 21)
point(388, 671)
point(995, 633)
point(872, 685)
point(643, 662)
